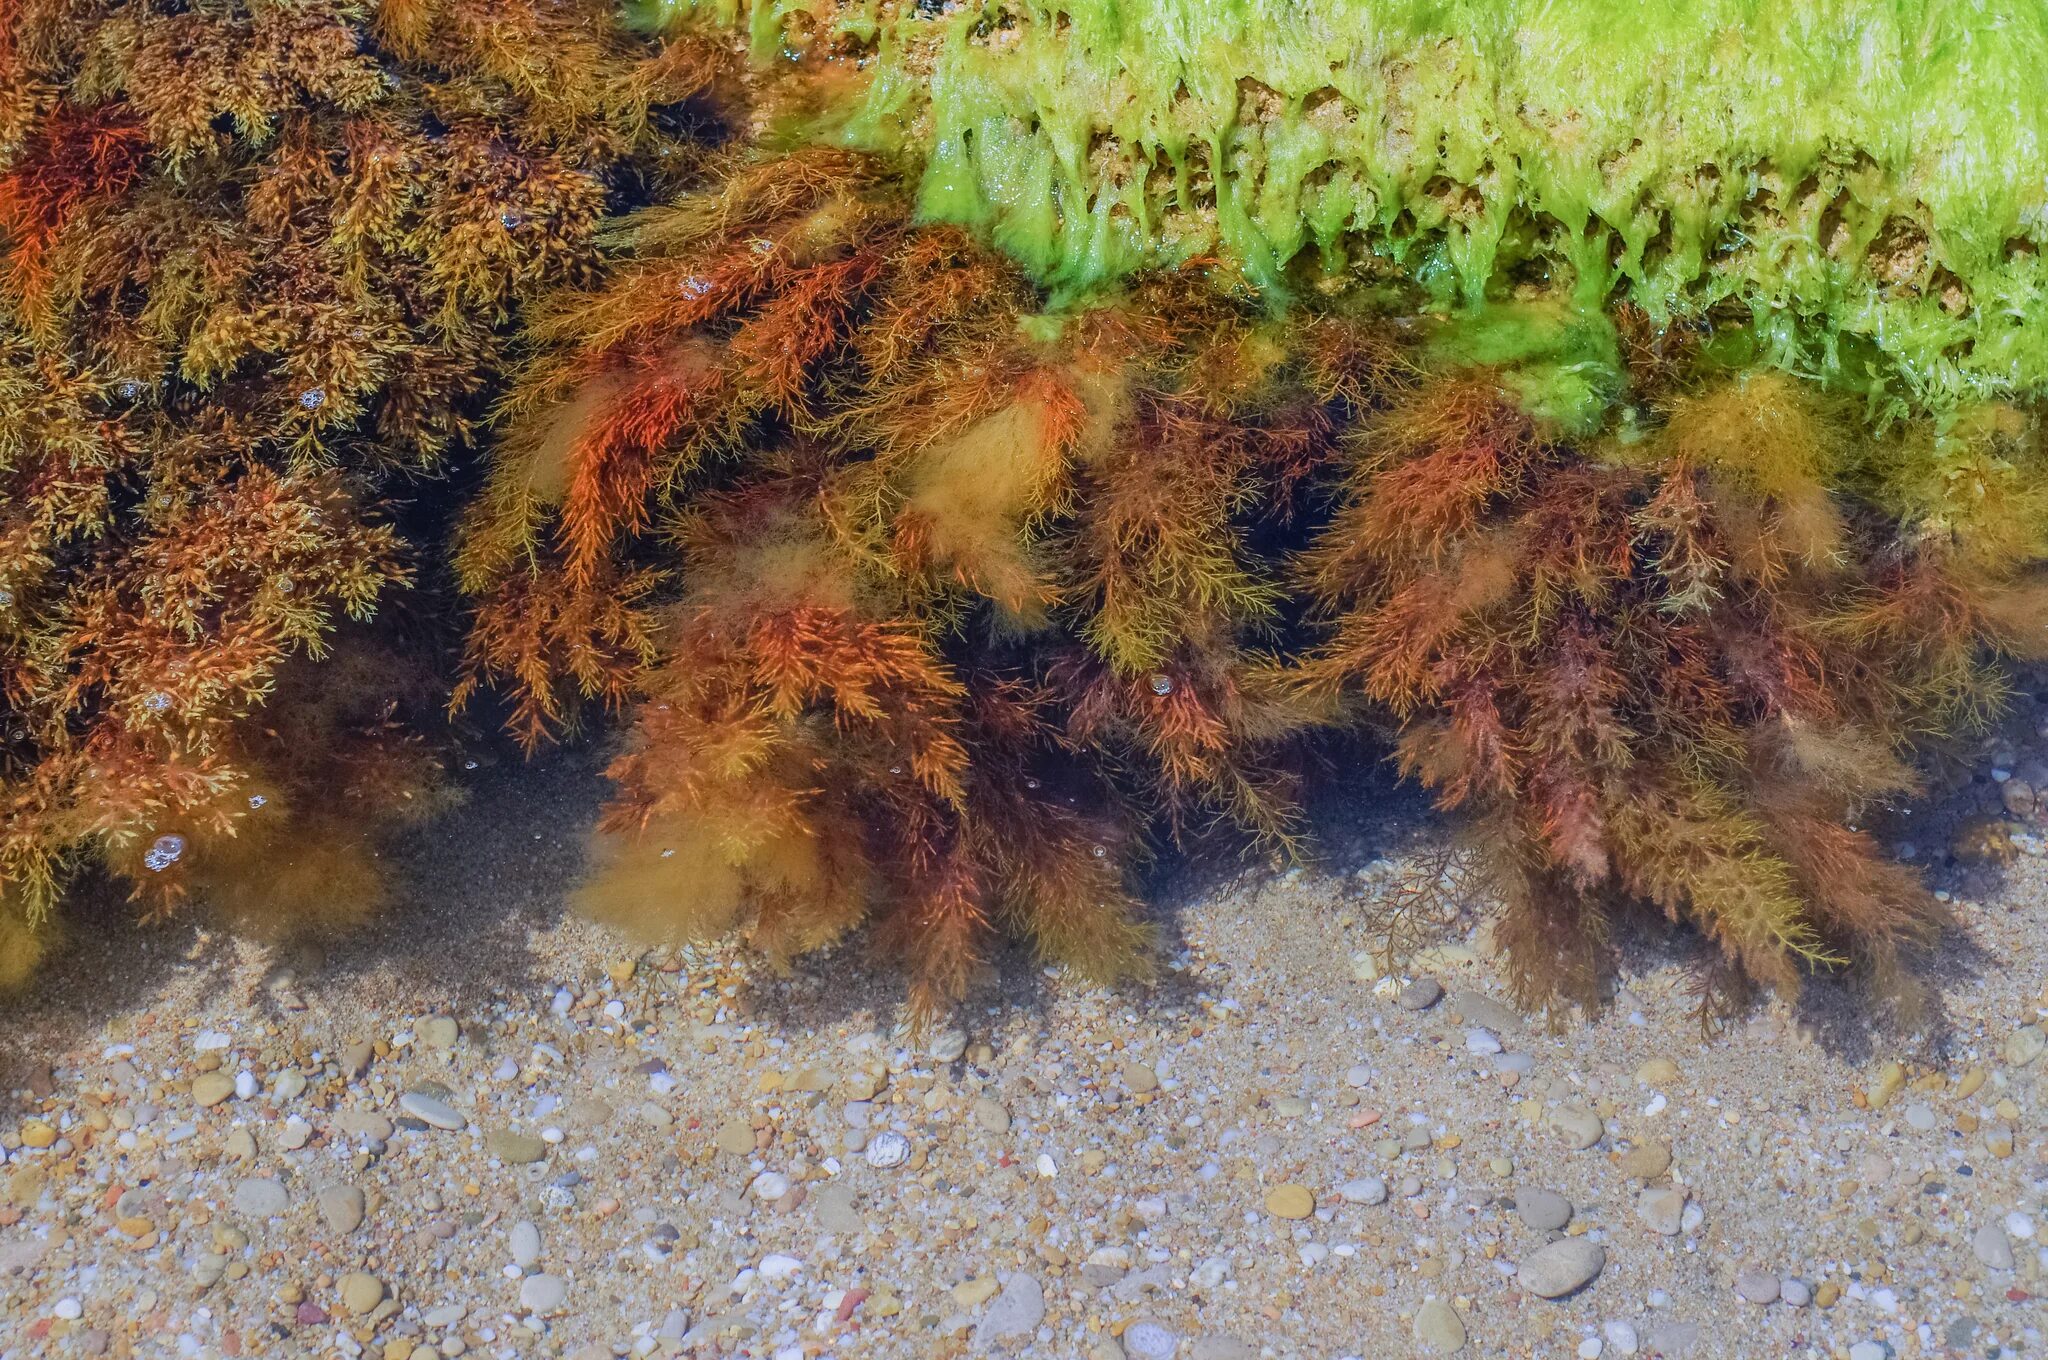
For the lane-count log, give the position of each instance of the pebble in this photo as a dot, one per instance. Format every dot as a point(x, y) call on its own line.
point(1553, 1271)
point(515, 1149)
point(432, 1110)
point(1482, 1042)
point(1140, 1078)
point(1365, 1190)
point(1869, 1350)
point(1657, 1072)
point(1794, 1292)
point(524, 1239)
point(991, 1115)
point(1662, 1211)
point(776, 1266)
point(1620, 1333)
point(1580, 1126)
point(1016, 1312)
point(975, 1292)
point(69, 1308)
point(735, 1137)
point(1483, 1010)
point(543, 1293)
point(1757, 1286)
point(1646, 1161)
point(1420, 995)
point(769, 1185)
point(342, 1207)
point(2025, 1045)
point(1543, 1210)
point(295, 1134)
point(1992, 1247)
point(1290, 1201)
point(361, 1293)
point(1438, 1328)
point(258, 1197)
point(439, 1032)
point(211, 1088)
point(948, 1046)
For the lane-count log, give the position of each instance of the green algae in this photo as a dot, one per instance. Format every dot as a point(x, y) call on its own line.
point(1860, 185)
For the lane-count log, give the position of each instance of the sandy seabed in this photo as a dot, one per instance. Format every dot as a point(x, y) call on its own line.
point(485, 1127)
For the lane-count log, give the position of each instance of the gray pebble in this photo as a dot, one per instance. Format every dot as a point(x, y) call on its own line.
point(1757, 1286)
point(429, 1110)
point(1993, 1247)
point(525, 1243)
point(1543, 1210)
point(1420, 994)
point(543, 1293)
point(261, 1198)
point(1560, 1268)
point(1480, 1009)
point(1439, 1329)
point(1365, 1190)
point(342, 1207)
point(1016, 1312)
point(1662, 1211)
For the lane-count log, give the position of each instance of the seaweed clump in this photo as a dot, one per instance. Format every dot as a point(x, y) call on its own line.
point(937, 608)
point(259, 267)
point(1858, 184)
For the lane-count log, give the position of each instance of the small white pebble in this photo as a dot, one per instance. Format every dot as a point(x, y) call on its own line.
point(69, 1308)
point(779, 1267)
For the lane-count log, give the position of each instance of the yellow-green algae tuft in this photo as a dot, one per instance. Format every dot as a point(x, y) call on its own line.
point(1858, 185)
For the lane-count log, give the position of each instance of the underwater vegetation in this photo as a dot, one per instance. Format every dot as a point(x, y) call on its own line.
point(1033, 442)
point(932, 607)
point(1857, 180)
point(261, 264)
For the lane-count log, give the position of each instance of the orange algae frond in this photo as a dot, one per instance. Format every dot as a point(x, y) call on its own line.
point(1591, 655)
point(260, 269)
